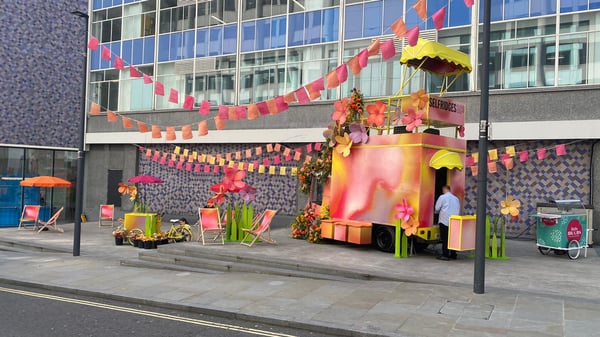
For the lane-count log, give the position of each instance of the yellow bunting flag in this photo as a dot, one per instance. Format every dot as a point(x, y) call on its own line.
point(282, 171)
point(493, 154)
point(240, 166)
point(231, 164)
point(186, 152)
point(177, 150)
point(261, 169)
point(475, 156)
point(212, 160)
point(251, 167)
point(510, 150)
point(294, 171)
point(222, 162)
point(202, 158)
point(271, 169)
point(195, 155)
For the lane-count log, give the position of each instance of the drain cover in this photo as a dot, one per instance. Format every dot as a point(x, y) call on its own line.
point(465, 309)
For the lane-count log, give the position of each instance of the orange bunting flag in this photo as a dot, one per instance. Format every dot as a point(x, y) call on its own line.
point(413, 36)
point(186, 133)
point(269, 148)
point(219, 123)
point(277, 147)
point(248, 153)
point(94, 109)
point(399, 28)
point(421, 8)
point(332, 80)
point(232, 113)
point(289, 97)
point(474, 171)
point(492, 167)
point(127, 123)
point(388, 50)
point(252, 111)
point(509, 163)
point(258, 150)
point(438, 18)
point(272, 106)
point(156, 131)
point(142, 127)
point(374, 47)
point(238, 155)
point(313, 94)
point(354, 65)
point(111, 117)
point(170, 133)
point(202, 128)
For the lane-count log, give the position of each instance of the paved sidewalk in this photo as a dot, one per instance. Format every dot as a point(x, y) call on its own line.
point(528, 295)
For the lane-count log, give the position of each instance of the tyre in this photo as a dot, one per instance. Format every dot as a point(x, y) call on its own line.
point(574, 249)
point(133, 233)
point(384, 238)
point(544, 250)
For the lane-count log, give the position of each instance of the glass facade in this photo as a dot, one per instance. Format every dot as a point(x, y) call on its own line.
point(243, 51)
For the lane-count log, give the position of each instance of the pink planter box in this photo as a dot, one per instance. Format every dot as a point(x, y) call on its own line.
point(461, 232)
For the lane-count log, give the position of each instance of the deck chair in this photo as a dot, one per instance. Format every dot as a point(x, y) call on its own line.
point(107, 213)
point(30, 215)
point(262, 226)
point(210, 224)
point(51, 223)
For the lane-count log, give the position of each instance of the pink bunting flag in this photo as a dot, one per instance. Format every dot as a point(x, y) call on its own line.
point(388, 50)
point(133, 72)
point(318, 146)
point(523, 156)
point(171, 163)
point(276, 160)
point(241, 112)
point(118, 64)
point(188, 166)
point(174, 96)
point(188, 102)
point(374, 47)
point(399, 28)
point(197, 168)
point(309, 148)
point(216, 169)
point(318, 84)
point(147, 79)
point(439, 17)
point(155, 156)
point(302, 95)
point(470, 161)
point(159, 89)
point(223, 112)
point(469, 3)
point(93, 43)
point(204, 108)
point(561, 150)
point(363, 58)
point(266, 162)
point(163, 160)
point(541, 153)
point(105, 53)
point(413, 36)
point(342, 72)
point(206, 168)
point(148, 153)
point(263, 109)
point(281, 104)
point(287, 158)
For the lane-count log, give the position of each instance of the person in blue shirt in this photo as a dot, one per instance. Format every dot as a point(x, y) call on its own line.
point(446, 205)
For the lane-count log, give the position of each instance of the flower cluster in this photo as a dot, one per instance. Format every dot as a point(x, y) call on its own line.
point(118, 233)
point(319, 168)
point(130, 190)
point(405, 215)
point(307, 225)
point(232, 183)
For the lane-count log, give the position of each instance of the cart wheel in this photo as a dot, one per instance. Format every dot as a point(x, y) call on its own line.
point(187, 234)
point(132, 233)
point(574, 249)
point(544, 250)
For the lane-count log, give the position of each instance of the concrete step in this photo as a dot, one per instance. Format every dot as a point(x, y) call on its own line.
point(27, 247)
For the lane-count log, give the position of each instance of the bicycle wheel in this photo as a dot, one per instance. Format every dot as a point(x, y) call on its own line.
point(187, 234)
point(544, 250)
point(133, 233)
point(574, 249)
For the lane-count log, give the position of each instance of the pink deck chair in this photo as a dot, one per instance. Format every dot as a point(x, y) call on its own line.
point(261, 227)
point(51, 223)
point(30, 215)
point(107, 213)
point(210, 223)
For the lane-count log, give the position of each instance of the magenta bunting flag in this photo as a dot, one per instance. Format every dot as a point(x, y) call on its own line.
point(561, 150)
point(188, 166)
point(276, 160)
point(388, 50)
point(105, 53)
point(174, 96)
point(204, 108)
point(163, 160)
point(266, 162)
point(469, 3)
point(523, 156)
point(159, 89)
point(179, 165)
point(470, 161)
point(318, 146)
point(318, 84)
point(309, 148)
point(206, 168)
point(281, 103)
point(302, 95)
point(363, 58)
point(171, 163)
point(196, 168)
point(118, 64)
point(147, 79)
point(413, 36)
point(263, 109)
point(133, 72)
point(188, 103)
point(223, 112)
point(439, 17)
point(216, 169)
point(93, 43)
point(342, 72)
point(241, 112)
point(541, 153)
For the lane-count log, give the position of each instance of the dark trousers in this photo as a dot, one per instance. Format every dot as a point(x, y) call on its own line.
point(444, 237)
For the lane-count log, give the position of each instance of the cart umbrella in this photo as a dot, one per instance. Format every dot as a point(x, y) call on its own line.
point(145, 179)
point(45, 181)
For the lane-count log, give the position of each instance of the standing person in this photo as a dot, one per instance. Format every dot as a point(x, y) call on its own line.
point(446, 205)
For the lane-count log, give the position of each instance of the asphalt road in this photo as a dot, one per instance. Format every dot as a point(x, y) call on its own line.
point(33, 312)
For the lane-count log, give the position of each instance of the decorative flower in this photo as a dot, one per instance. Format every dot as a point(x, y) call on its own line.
point(410, 226)
point(510, 206)
point(233, 180)
point(376, 113)
point(343, 145)
point(341, 111)
point(329, 134)
point(218, 198)
point(413, 119)
point(130, 190)
point(404, 211)
point(419, 99)
point(248, 194)
point(461, 130)
point(358, 133)
point(396, 118)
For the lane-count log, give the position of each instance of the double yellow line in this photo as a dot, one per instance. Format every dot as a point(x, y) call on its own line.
point(200, 322)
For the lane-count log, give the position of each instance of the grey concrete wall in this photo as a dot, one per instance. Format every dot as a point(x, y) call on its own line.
point(596, 190)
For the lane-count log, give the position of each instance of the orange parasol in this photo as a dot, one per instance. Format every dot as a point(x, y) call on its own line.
point(45, 181)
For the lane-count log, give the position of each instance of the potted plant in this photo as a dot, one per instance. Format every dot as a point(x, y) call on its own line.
point(118, 234)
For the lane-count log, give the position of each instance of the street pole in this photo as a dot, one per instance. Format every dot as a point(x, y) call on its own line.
point(480, 239)
point(81, 148)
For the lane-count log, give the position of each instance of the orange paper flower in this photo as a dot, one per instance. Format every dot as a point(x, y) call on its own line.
point(341, 111)
point(419, 99)
point(343, 145)
point(376, 113)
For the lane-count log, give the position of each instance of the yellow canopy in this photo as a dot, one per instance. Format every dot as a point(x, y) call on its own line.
point(447, 159)
point(436, 58)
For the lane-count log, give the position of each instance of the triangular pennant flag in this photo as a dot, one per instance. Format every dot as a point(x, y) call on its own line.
point(170, 133)
point(156, 131)
point(105, 53)
point(111, 117)
point(204, 108)
point(492, 167)
point(188, 102)
point(439, 17)
point(147, 79)
point(223, 112)
point(272, 106)
point(232, 113)
point(342, 72)
point(127, 123)
point(469, 3)
point(118, 64)
point(374, 47)
point(290, 97)
point(388, 50)
point(202, 128)
point(541, 153)
point(142, 127)
point(133, 72)
point(363, 58)
point(94, 109)
point(561, 150)
point(399, 28)
point(219, 123)
point(332, 80)
point(523, 156)
point(413, 36)
point(318, 84)
point(241, 112)
point(354, 65)
point(262, 108)
point(302, 95)
point(186, 133)
point(174, 96)
point(252, 111)
point(421, 8)
point(93, 43)
point(159, 89)
point(281, 104)
point(510, 150)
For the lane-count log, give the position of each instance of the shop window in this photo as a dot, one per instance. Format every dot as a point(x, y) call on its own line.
point(543, 7)
point(573, 6)
point(353, 22)
point(372, 19)
point(296, 29)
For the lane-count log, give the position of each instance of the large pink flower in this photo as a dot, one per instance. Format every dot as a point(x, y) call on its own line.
point(341, 111)
point(413, 119)
point(376, 113)
point(404, 211)
point(233, 180)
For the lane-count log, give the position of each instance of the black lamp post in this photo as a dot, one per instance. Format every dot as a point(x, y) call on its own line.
point(81, 148)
